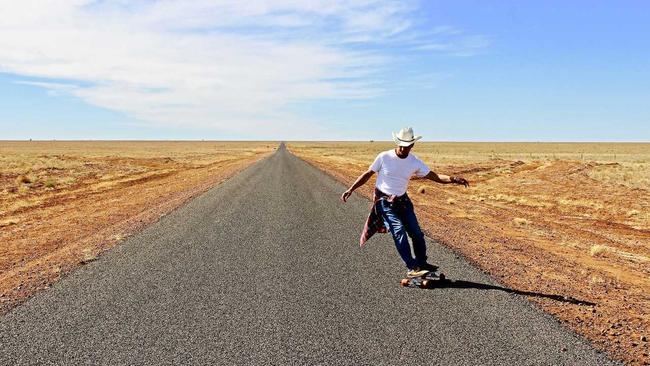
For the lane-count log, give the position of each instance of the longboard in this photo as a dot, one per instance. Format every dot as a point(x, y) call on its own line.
point(427, 280)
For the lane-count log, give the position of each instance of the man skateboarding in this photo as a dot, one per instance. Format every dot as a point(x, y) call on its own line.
point(392, 209)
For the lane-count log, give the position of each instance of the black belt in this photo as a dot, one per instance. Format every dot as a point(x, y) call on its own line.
point(402, 198)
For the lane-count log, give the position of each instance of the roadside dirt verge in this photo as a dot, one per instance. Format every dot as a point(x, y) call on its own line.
point(64, 203)
point(565, 224)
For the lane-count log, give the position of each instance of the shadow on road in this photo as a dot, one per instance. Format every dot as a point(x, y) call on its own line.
point(483, 286)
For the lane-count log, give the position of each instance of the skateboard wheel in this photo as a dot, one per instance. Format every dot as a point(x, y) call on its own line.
point(442, 277)
point(404, 282)
point(424, 284)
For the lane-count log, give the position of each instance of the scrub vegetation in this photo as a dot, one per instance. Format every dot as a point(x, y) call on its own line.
point(568, 219)
point(62, 203)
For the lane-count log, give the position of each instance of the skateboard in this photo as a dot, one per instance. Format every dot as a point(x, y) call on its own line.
point(427, 280)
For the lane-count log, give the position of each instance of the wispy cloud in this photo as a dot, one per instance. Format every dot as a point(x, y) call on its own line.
point(451, 41)
point(232, 65)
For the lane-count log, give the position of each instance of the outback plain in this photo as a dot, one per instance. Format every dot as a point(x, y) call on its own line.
point(62, 203)
point(549, 220)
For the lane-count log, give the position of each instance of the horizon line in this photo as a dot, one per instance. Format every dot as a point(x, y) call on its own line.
point(363, 141)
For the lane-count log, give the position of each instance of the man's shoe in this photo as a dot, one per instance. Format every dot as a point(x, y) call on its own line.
point(416, 272)
point(429, 267)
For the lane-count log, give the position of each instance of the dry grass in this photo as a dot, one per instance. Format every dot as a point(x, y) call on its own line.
point(87, 255)
point(634, 174)
point(9, 222)
point(531, 218)
point(520, 222)
point(62, 203)
point(23, 179)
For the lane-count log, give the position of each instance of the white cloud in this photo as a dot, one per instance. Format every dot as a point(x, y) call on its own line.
point(232, 65)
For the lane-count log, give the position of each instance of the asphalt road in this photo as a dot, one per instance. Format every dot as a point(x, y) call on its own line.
point(266, 269)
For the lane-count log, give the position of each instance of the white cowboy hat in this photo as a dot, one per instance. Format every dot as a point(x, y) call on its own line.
point(405, 137)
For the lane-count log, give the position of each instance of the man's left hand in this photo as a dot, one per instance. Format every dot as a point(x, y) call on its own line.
point(460, 180)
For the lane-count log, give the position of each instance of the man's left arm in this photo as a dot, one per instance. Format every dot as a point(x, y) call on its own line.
point(446, 179)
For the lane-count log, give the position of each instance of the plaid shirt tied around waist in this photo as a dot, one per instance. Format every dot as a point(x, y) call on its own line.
point(374, 222)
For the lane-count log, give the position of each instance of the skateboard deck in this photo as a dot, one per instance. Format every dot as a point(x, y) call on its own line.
point(427, 280)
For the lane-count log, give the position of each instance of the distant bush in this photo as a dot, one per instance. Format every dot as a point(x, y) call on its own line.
point(50, 183)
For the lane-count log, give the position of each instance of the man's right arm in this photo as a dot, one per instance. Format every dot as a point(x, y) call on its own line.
point(363, 178)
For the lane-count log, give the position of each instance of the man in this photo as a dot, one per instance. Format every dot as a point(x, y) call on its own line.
point(392, 208)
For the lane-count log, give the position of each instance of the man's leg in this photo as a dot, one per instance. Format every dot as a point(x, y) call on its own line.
point(410, 222)
point(398, 231)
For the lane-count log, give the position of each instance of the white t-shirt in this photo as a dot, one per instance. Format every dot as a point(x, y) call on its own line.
point(394, 172)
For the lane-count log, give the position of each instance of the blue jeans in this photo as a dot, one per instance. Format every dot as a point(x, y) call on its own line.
point(400, 219)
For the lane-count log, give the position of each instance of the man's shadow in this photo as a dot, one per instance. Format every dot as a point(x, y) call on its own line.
point(482, 286)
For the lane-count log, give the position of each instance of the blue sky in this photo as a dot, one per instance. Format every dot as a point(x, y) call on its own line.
point(322, 70)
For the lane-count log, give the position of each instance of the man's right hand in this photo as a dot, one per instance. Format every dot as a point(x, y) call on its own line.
point(363, 178)
point(346, 195)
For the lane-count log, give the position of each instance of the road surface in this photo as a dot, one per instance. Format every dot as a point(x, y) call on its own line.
point(266, 269)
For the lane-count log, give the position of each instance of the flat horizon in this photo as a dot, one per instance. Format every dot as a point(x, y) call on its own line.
point(364, 141)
